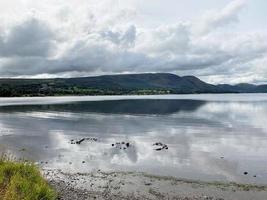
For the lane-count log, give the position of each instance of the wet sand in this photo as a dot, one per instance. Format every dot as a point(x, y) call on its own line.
point(133, 185)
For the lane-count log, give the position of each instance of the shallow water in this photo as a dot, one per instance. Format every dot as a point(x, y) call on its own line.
point(209, 137)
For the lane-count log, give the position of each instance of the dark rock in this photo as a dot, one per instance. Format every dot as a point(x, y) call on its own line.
point(160, 145)
point(245, 173)
point(82, 140)
point(121, 145)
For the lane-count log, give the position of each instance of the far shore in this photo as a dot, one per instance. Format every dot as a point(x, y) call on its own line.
point(126, 94)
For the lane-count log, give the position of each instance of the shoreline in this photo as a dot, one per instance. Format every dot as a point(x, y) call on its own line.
point(47, 100)
point(119, 95)
point(138, 185)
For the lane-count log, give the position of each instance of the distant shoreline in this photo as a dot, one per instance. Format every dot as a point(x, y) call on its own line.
point(127, 94)
point(82, 95)
point(118, 95)
point(50, 100)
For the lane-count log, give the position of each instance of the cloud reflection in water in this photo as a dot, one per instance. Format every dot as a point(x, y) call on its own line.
point(198, 134)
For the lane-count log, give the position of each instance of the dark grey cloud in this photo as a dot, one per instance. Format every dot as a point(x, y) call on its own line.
point(31, 38)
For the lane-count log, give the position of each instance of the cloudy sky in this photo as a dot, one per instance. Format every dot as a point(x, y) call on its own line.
point(222, 41)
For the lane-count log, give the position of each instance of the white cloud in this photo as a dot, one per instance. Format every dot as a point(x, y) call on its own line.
point(98, 38)
point(216, 19)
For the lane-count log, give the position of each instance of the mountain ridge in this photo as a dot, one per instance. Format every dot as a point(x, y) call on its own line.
point(119, 84)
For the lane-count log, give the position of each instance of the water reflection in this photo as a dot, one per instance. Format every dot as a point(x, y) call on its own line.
point(138, 106)
point(207, 140)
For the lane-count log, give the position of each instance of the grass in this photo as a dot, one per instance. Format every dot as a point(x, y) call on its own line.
point(23, 181)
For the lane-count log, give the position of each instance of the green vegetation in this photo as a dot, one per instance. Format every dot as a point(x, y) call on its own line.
point(130, 84)
point(127, 84)
point(37, 90)
point(23, 181)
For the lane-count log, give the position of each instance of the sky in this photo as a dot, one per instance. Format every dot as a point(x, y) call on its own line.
point(222, 41)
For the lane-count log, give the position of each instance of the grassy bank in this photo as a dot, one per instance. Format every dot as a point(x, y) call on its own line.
point(22, 181)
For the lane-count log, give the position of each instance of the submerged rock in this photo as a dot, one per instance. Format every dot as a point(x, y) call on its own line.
point(83, 139)
point(121, 145)
point(160, 146)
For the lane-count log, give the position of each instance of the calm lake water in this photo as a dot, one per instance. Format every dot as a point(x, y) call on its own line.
point(209, 137)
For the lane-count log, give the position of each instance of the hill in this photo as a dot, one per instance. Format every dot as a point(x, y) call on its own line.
point(149, 83)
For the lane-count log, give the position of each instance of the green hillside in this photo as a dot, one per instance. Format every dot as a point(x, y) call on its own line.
point(150, 83)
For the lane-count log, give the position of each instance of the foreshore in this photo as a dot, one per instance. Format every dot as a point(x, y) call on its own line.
point(134, 185)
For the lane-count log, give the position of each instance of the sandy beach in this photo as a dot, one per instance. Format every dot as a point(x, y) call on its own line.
point(133, 185)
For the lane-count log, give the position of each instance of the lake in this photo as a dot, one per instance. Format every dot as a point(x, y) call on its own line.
point(210, 137)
